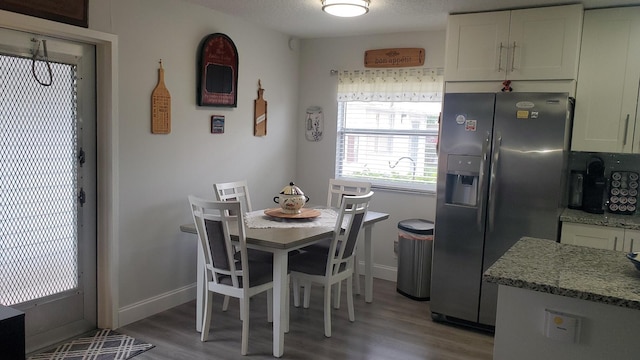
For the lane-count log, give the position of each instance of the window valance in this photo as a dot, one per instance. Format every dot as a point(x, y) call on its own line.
point(424, 84)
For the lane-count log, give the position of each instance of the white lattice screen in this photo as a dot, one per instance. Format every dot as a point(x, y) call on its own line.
point(38, 181)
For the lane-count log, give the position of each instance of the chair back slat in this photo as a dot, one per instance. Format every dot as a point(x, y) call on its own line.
point(213, 220)
point(338, 188)
point(234, 191)
point(348, 225)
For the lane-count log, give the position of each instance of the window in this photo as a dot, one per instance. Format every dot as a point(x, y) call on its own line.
point(388, 127)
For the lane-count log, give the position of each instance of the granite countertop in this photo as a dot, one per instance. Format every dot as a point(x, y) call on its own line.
point(606, 219)
point(603, 276)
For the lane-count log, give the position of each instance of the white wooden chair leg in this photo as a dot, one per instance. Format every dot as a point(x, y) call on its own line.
point(307, 294)
point(356, 273)
point(296, 292)
point(352, 316)
point(245, 326)
point(270, 305)
point(225, 303)
point(327, 310)
point(336, 294)
point(206, 320)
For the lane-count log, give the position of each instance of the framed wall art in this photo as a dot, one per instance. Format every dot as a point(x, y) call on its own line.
point(217, 124)
point(217, 71)
point(72, 12)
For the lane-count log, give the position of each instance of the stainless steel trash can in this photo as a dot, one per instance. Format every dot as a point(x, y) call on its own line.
point(415, 247)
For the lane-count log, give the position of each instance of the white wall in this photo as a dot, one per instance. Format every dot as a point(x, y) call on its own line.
point(156, 262)
point(316, 160)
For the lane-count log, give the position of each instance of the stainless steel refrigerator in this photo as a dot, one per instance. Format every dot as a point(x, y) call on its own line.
point(501, 176)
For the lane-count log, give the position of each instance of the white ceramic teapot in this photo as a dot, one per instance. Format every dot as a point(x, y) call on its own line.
point(291, 199)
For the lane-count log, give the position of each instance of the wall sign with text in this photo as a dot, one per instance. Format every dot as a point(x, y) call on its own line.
point(396, 57)
point(218, 71)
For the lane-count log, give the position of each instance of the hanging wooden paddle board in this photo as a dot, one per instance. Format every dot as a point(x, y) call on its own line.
point(160, 106)
point(260, 113)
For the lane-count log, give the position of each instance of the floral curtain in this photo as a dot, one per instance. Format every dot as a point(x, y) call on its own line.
point(391, 85)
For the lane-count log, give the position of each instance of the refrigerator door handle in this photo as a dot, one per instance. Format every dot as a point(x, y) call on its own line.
point(493, 182)
point(483, 164)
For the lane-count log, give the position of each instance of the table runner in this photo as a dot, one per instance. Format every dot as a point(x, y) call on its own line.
point(258, 220)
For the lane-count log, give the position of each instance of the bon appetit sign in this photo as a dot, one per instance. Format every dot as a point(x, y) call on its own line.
point(397, 57)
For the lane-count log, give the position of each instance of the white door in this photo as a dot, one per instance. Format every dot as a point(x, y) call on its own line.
point(47, 185)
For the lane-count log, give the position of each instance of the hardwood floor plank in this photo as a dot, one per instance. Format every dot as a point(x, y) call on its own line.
point(392, 327)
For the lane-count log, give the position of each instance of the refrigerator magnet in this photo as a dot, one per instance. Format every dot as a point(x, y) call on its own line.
point(470, 125)
point(460, 119)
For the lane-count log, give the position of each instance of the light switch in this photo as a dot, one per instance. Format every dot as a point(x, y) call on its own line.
point(561, 326)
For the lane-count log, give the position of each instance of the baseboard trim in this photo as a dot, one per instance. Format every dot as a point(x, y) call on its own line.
point(383, 272)
point(157, 304)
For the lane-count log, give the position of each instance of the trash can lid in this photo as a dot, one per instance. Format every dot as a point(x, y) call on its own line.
point(417, 226)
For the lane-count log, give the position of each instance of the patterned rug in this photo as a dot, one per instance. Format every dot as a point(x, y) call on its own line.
point(105, 344)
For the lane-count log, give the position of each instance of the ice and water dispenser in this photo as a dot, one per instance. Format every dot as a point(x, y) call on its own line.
point(463, 172)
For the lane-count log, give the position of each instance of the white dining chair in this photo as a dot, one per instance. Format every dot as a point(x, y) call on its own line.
point(239, 191)
point(234, 191)
point(338, 188)
point(224, 274)
point(329, 268)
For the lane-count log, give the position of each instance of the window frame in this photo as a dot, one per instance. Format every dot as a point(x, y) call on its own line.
point(342, 135)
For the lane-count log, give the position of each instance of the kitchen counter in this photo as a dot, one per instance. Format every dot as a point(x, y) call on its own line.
point(603, 276)
point(539, 279)
point(606, 219)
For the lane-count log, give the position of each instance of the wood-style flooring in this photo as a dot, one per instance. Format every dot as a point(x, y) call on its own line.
point(392, 327)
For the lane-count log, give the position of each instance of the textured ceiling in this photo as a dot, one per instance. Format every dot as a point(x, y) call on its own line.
point(305, 19)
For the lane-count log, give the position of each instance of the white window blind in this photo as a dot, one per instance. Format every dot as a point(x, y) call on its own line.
point(388, 127)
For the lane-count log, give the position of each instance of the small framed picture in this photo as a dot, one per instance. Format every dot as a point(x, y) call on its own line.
point(217, 124)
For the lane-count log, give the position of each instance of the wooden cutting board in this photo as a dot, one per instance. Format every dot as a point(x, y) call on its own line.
point(260, 113)
point(160, 106)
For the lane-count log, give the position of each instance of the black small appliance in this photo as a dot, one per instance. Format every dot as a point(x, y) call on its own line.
point(595, 185)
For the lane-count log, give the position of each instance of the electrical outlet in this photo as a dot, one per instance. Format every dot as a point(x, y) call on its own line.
point(561, 326)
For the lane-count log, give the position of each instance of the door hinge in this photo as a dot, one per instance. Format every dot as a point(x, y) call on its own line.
point(81, 157)
point(82, 197)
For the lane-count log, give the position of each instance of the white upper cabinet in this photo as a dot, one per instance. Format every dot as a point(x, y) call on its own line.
point(607, 91)
point(527, 44)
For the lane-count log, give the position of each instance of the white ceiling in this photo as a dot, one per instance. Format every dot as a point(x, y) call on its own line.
point(305, 19)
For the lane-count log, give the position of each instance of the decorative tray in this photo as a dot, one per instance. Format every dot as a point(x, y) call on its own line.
point(304, 214)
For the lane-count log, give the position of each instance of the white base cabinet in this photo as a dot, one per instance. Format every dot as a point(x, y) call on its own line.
point(527, 44)
point(605, 118)
point(600, 237)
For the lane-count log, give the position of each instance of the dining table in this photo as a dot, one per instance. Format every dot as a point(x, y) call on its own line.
point(271, 234)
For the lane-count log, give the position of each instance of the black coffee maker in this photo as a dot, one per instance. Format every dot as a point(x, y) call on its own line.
point(595, 185)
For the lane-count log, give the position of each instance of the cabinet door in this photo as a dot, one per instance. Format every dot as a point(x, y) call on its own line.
point(608, 77)
point(544, 43)
point(631, 240)
point(599, 237)
point(477, 46)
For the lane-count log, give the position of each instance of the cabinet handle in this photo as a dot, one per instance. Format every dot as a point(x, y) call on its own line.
point(500, 58)
point(626, 129)
point(615, 243)
point(513, 57)
point(631, 247)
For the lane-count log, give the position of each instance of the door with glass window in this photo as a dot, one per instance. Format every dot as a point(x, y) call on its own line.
point(47, 185)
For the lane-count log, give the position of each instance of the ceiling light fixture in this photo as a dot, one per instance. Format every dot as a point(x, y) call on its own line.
point(345, 8)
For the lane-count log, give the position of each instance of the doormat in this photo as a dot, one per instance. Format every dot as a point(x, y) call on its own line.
point(105, 344)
